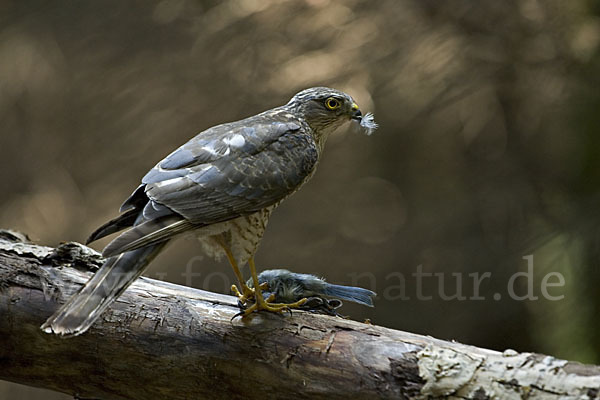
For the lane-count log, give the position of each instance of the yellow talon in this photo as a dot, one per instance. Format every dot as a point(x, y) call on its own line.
point(262, 304)
point(236, 292)
point(247, 292)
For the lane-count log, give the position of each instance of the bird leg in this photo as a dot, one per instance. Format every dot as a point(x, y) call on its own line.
point(246, 293)
point(260, 303)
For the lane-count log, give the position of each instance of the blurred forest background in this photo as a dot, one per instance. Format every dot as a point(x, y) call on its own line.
point(487, 151)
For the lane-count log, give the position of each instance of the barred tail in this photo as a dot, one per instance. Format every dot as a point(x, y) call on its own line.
point(350, 293)
point(83, 308)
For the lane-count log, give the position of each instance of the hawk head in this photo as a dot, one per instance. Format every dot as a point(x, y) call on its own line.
point(324, 109)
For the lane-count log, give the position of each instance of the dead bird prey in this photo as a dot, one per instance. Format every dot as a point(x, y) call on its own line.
point(283, 286)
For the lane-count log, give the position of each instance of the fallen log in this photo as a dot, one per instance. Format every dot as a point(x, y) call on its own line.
point(161, 340)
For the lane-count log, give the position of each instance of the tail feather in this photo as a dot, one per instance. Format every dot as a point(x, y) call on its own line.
point(114, 225)
point(147, 233)
point(351, 293)
point(79, 313)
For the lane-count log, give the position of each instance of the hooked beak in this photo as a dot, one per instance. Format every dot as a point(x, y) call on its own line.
point(367, 122)
point(356, 114)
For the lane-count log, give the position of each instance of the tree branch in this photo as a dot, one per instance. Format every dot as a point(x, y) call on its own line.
point(169, 341)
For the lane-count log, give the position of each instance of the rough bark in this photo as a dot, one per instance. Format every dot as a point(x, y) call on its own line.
point(161, 340)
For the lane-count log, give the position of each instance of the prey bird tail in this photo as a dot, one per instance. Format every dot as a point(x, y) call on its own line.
point(115, 275)
point(350, 293)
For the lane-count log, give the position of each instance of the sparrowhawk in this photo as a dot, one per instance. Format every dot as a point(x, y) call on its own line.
point(223, 185)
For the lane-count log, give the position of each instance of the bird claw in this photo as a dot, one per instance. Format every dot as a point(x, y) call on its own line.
point(241, 305)
point(247, 293)
point(240, 314)
point(268, 305)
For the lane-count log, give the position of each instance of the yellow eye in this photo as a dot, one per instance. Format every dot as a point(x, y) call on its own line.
point(332, 103)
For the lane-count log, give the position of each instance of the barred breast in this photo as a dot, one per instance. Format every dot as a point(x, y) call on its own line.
point(241, 236)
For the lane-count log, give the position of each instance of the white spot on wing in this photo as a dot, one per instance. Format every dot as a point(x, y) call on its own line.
point(236, 140)
point(210, 149)
point(169, 181)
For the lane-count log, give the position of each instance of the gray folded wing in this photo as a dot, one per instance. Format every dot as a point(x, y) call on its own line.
point(227, 171)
